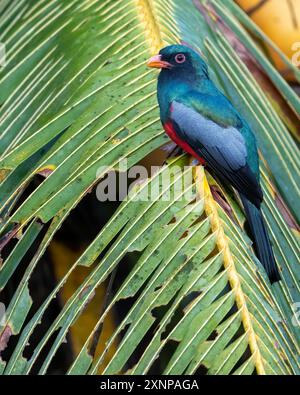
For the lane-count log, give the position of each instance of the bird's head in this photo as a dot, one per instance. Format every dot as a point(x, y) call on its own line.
point(180, 62)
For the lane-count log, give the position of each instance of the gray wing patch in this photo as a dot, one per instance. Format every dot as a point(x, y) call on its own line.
point(226, 145)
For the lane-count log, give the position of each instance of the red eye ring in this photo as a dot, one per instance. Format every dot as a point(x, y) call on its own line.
point(180, 58)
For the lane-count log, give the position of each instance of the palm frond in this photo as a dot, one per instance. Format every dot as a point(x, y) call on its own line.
point(76, 98)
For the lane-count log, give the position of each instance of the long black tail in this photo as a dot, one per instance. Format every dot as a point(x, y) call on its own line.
point(261, 240)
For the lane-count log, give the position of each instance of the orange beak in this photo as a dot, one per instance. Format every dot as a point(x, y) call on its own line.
point(156, 62)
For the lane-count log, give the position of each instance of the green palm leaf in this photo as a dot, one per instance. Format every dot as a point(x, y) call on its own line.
point(76, 98)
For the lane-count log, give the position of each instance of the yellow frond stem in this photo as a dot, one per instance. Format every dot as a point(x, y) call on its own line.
point(233, 277)
point(152, 30)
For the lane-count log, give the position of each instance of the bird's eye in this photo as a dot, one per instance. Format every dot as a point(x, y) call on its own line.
point(180, 58)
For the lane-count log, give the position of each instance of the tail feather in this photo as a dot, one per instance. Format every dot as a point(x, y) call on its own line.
point(261, 240)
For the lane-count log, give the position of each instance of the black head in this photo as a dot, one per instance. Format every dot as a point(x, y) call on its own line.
point(180, 60)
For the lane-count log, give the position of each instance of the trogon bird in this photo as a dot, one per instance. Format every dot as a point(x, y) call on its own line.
point(204, 123)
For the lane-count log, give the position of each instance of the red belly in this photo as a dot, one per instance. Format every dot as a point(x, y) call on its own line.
point(184, 145)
